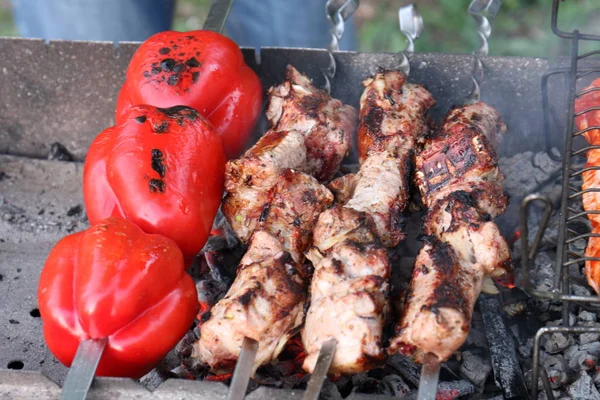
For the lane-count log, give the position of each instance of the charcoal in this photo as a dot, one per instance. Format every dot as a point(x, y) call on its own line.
point(330, 391)
point(580, 290)
point(455, 389)
point(398, 387)
point(579, 359)
point(556, 369)
point(589, 337)
point(557, 342)
point(507, 371)
point(583, 388)
point(59, 152)
point(475, 368)
point(588, 316)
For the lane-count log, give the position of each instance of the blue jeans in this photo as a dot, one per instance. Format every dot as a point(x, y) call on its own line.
point(251, 23)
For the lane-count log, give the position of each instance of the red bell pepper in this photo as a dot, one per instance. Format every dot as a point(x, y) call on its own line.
point(115, 281)
point(199, 69)
point(163, 169)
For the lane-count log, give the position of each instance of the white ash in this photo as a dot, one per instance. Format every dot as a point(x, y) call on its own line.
point(556, 369)
point(579, 359)
point(583, 388)
point(557, 342)
point(587, 316)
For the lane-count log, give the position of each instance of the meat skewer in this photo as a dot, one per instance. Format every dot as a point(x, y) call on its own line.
point(273, 199)
point(349, 288)
point(587, 111)
point(458, 177)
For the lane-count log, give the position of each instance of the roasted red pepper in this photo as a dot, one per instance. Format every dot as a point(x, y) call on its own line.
point(163, 169)
point(200, 69)
point(115, 281)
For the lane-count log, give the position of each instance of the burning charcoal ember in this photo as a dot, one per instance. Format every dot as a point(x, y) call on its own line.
point(579, 359)
point(448, 390)
point(557, 370)
point(475, 368)
point(583, 388)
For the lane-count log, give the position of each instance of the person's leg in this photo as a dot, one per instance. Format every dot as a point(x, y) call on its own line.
point(285, 23)
point(110, 20)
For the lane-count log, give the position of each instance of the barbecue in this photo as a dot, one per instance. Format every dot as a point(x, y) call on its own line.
point(308, 268)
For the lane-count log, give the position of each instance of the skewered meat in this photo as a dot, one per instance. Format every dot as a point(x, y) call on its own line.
point(348, 299)
point(264, 303)
point(311, 133)
point(349, 289)
point(326, 123)
point(457, 174)
point(461, 157)
point(440, 301)
point(249, 180)
point(587, 117)
point(295, 205)
point(273, 202)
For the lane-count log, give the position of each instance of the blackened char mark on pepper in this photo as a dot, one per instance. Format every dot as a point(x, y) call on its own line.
point(157, 186)
point(161, 127)
point(158, 162)
point(141, 119)
point(179, 112)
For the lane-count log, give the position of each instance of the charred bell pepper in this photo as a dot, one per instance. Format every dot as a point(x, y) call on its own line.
point(200, 69)
point(114, 281)
point(162, 169)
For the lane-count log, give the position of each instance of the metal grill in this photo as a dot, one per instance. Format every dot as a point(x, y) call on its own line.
point(573, 225)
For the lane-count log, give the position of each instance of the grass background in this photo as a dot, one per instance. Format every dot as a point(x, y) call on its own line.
point(522, 27)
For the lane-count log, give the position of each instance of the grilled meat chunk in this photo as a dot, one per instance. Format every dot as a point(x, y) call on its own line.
point(350, 283)
point(348, 303)
point(292, 212)
point(392, 114)
point(458, 176)
point(461, 156)
point(472, 235)
point(326, 123)
point(249, 180)
point(586, 116)
point(439, 303)
point(381, 191)
point(265, 303)
point(342, 188)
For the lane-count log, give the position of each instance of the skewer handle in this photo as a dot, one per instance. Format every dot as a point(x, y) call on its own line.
point(337, 12)
point(243, 370)
point(430, 375)
point(217, 15)
point(411, 26)
point(83, 368)
point(315, 384)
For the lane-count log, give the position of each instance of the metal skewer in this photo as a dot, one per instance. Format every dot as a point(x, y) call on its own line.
point(411, 26)
point(483, 12)
point(337, 11)
point(315, 384)
point(217, 15)
point(430, 375)
point(243, 370)
point(81, 374)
